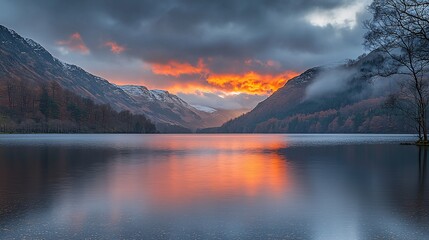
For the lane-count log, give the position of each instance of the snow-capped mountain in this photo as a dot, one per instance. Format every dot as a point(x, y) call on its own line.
point(22, 59)
point(183, 114)
point(141, 92)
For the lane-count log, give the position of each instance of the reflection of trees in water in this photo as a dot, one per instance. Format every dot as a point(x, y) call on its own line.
point(423, 154)
point(31, 175)
point(411, 195)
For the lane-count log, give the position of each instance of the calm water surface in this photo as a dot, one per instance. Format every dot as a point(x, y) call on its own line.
point(212, 187)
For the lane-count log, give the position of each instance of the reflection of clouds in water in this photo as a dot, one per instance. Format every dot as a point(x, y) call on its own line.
point(211, 169)
point(225, 186)
point(175, 181)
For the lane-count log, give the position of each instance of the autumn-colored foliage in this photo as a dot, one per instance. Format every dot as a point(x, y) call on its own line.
point(51, 109)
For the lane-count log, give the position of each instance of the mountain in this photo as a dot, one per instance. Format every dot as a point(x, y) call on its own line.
point(344, 98)
point(22, 59)
point(169, 109)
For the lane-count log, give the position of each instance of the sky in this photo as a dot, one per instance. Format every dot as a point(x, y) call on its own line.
point(227, 54)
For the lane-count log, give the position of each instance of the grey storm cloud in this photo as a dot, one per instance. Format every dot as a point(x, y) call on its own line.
point(225, 31)
point(157, 31)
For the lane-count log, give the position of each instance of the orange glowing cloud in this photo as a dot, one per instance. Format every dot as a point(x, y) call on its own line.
point(114, 47)
point(176, 68)
point(234, 84)
point(74, 43)
point(250, 82)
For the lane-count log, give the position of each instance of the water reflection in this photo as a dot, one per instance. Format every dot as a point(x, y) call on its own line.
point(420, 206)
point(182, 180)
point(213, 186)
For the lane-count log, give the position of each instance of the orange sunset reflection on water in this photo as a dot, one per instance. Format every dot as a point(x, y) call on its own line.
point(254, 186)
point(245, 167)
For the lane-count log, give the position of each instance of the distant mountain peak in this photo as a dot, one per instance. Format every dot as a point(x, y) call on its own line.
point(143, 92)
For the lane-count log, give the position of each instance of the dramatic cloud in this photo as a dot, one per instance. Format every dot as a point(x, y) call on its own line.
point(343, 16)
point(73, 43)
point(176, 68)
point(114, 47)
point(220, 47)
point(251, 82)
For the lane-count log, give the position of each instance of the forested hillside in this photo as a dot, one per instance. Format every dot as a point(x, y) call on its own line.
point(48, 108)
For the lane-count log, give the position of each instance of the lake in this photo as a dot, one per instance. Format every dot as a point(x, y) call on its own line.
point(268, 186)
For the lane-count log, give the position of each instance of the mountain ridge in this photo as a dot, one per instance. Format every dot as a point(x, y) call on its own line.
point(24, 59)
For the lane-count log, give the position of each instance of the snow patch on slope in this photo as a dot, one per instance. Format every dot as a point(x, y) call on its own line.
point(34, 45)
point(160, 95)
point(141, 92)
point(135, 90)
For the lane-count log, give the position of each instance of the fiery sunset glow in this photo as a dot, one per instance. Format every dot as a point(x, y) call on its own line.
point(250, 82)
point(74, 43)
point(175, 68)
point(207, 80)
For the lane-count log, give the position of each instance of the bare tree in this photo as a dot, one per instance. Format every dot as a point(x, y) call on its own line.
point(414, 16)
point(398, 29)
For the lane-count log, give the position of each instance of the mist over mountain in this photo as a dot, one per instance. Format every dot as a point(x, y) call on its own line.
point(23, 59)
point(345, 98)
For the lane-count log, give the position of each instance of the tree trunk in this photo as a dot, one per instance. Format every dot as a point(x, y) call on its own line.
point(419, 130)
point(424, 125)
